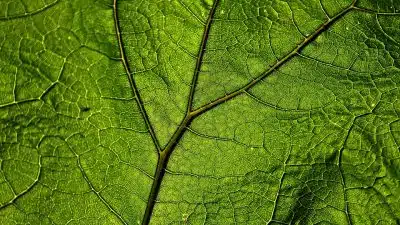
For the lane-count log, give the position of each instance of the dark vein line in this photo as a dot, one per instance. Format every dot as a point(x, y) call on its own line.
point(132, 83)
point(328, 64)
point(276, 66)
point(161, 167)
point(233, 140)
point(276, 107)
point(200, 56)
point(165, 154)
point(28, 14)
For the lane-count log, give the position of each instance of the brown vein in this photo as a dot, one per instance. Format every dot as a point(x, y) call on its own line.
point(132, 83)
point(165, 154)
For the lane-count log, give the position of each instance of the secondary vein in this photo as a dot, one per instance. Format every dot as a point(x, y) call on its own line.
point(277, 65)
point(200, 54)
point(132, 83)
point(165, 154)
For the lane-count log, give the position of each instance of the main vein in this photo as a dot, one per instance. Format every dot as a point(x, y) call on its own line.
point(132, 83)
point(164, 154)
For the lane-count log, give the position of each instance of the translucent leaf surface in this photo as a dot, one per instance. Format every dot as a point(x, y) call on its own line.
point(199, 112)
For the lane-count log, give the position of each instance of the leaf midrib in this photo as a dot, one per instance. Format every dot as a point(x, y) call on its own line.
point(165, 153)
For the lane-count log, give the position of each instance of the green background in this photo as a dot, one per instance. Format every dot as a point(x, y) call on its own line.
point(315, 142)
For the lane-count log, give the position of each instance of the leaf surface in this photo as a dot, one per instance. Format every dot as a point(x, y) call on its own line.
point(199, 112)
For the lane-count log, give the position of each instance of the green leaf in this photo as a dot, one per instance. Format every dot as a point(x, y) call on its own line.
point(199, 112)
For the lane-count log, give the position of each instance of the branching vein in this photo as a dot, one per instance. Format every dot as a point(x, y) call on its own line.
point(191, 114)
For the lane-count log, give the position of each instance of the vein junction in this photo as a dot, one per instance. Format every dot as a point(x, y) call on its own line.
point(165, 153)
